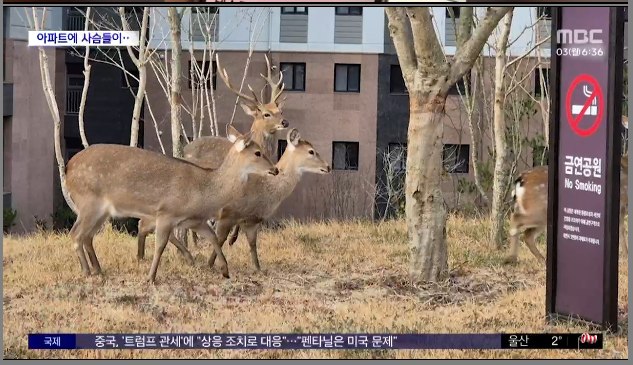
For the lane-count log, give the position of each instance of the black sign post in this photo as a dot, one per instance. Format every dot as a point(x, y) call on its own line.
point(584, 169)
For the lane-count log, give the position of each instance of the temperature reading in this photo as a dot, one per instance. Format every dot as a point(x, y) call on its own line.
point(555, 340)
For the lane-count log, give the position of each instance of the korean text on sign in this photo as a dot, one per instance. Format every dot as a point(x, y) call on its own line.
point(97, 38)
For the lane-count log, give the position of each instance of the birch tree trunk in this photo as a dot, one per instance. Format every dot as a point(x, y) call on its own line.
point(175, 99)
point(502, 157)
point(428, 77)
point(84, 91)
point(141, 64)
point(49, 94)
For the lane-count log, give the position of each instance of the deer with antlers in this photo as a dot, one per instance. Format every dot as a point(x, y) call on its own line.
point(120, 181)
point(529, 216)
point(210, 151)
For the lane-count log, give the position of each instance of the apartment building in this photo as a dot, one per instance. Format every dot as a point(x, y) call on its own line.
point(344, 90)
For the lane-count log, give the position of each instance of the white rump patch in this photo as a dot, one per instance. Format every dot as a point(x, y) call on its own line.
point(519, 192)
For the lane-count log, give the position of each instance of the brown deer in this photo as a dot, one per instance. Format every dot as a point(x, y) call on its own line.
point(267, 120)
point(265, 195)
point(529, 214)
point(120, 181)
point(262, 196)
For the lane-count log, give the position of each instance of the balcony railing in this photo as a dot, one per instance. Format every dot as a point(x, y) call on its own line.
point(75, 22)
point(73, 99)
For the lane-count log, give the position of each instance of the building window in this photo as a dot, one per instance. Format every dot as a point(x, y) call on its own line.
point(294, 10)
point(396, 81)
point(349, 10)
point(538, 91)
point(459, 88)
point(281, 148)
point(544, 12)
point(397, 156)
point(200, 74)
point(75, 19)
point(456, 158)
point(203, 23)
point(346, 78)
point(345, 155)
point(294, 76)
point(74, 86)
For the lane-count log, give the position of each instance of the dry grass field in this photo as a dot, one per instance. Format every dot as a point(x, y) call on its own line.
point(321, 277)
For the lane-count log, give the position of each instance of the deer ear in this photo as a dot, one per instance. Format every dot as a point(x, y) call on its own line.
point(292, 139)
point(625, 121)
point(249, 109)
point(232, 134)
point(280, 104)
point(243, 142)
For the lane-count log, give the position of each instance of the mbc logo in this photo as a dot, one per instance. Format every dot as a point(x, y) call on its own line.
point(579, 36)
point(587, 338)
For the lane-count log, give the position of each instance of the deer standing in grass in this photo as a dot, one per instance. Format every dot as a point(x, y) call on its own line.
point(529, 215)
point(263, 195)
point(120, 181)
point(209, 152)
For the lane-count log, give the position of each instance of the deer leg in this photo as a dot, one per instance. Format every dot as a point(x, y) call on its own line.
point(530, 235)
point(222, 228)
point(77, 234)
point(236, 231)
point(205, 231)
point(163, 229)
point(144, 228)
point(181, 248)
point(96, 267)
point(251, 236)
point(513, 256)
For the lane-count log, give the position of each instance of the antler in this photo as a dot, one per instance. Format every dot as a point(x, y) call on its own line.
point(274, 86)
point(225, 78)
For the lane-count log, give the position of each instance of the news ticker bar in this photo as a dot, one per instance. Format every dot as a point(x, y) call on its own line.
point(66, 341)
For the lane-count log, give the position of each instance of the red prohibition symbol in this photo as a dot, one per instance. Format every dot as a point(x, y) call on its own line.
point(574, 122)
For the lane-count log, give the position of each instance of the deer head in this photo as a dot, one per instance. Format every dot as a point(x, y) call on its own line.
point(301, 155)
point(245, 152)
point(267, 115)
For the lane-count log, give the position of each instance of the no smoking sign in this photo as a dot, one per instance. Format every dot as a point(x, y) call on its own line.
point(584, 105)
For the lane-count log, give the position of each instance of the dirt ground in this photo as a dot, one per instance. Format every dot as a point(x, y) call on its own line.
point(320, 277)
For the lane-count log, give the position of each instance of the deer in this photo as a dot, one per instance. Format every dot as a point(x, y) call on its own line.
point(529, 215)
point(107, 180)
point(263, 195)
point(267, 120)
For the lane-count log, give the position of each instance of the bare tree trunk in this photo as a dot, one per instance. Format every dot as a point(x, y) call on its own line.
point(425, 208)
point(464, 32)
point(428, 77)
point(175, 99)
point(475, 125)
point(141, 64)
point(138, 105)
point(49, 93)
point(502, 168)
point(84, 91)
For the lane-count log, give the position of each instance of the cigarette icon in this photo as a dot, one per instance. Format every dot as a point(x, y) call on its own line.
point(592, 109)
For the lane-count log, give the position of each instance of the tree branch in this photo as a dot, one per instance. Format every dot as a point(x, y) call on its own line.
point(427, 47)
point(467, 54)
point(399, 35)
